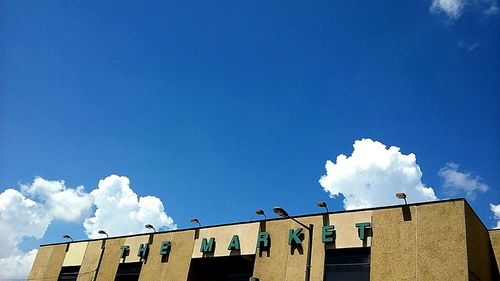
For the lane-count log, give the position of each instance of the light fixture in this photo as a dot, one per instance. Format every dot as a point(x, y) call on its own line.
point(261, 212)
point(282, 213)
point(322, 204)
point(150, 226)
point(401, 195)
point(195, 220)
point(66, 236)
point(103, 233)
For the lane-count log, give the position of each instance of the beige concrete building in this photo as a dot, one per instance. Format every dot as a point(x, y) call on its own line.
point(443, 240)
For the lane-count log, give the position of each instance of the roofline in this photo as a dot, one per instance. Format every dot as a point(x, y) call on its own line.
point(272, 219)
point(478, 218)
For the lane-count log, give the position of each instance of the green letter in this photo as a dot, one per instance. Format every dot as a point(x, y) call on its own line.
point(207, 247)
point(293, 236)
point(165, 247)
point(328, 233)
point(124, 251)
point(143, 250)
point(361, 229)
point(263, 238)
point(235, 243)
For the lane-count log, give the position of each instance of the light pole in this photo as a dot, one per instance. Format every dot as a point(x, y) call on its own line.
point(261, 212)
point(322, 204)
point(66, 236)
point(103, 233)
point(195, 220)
point(282, 213)
point(150, 226)
point(401, 195)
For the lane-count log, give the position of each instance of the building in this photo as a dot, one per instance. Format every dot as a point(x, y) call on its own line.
point(442, 240)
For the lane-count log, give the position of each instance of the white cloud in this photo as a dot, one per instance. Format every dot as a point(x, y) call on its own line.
point(373, 174)
point(68, 204)
point(455, 8)
point(496, 212)
point(120, 211)
point(492, 10)
point(17, 267)
point(456, 182)
point(28, 214)
point(20, 217)
point(452, 8)
point(468, 46)
point(491, 6)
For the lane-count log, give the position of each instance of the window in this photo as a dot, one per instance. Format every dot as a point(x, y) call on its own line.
point(347, 264)
point(69, 273)
point(128, 271)
point(231, 268)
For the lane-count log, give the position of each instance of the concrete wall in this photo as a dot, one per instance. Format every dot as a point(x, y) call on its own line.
point(423, 242)
point(90, 261)
point(481, 259)
point(441, 241)
point(287, 263)
point(48, 263)
point(247, 234)
point(75, 253)
point(110, 259)
point(175, 266)
point(495, 244)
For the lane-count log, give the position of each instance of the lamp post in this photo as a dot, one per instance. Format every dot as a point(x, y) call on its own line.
point(103, 233)
point(66, 236)
point(261, 212)
point(401, 195)
point(150, 226)
point(322, 204)
point(282, 213)
point(195, 220)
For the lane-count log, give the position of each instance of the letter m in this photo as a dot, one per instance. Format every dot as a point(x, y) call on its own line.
point(207, 246)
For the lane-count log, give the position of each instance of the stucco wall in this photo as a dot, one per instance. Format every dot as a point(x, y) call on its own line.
point(482, 265)
point(176, 266)
point(75, 253)
point(423, 242)
point(247, 234)
point(441, 241)
point(287, 263)
point(48, 263)
point(495, 244)
point(90, 261)
point(110, 259)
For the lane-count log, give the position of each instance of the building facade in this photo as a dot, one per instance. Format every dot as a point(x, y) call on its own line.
point(442, 240)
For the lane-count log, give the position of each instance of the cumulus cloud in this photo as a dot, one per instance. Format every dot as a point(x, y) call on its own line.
point(68, 204)
point(17, 267)
point(456, 182)
point(29, 212)
point(496, 213)
point(20, 217)
point(455, 8)
point(373, 174)
point(452, 8)
point(120, 211)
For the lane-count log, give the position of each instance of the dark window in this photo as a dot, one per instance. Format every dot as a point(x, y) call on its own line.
point(347, 264)
point(69, 273)
point(231, 268)
point(128, 271)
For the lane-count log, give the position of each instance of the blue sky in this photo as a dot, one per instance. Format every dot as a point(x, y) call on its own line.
point(220, 108)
